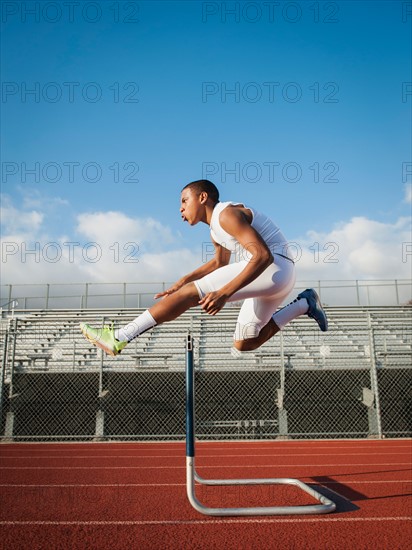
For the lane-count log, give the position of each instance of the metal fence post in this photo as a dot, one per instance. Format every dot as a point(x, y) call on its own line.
point(47, 295)
point(397, 292)
point(9, 425)
point(375, 425)
point(282, 413)
point(99, 429)
point(101, 364)
point(3, 371)
point(74, 355)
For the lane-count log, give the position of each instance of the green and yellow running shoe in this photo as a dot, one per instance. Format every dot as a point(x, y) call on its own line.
point(103, 338)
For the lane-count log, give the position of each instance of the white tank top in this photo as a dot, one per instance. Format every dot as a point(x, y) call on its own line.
point(269, 232)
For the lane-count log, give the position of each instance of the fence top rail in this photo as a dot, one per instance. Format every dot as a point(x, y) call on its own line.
point(333, 292)
point(153, 283)
point(228, 311)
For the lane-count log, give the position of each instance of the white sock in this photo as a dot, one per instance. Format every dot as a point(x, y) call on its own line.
point(291, 311)
point(139, 325)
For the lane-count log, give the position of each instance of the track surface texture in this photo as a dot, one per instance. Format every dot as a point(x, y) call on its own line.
point(133, 495)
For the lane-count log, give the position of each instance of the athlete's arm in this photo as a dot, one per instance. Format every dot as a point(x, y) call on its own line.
point(235, 222)
point(220, 258)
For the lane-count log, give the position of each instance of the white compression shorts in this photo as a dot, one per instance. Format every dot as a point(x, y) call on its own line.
point(261, 297)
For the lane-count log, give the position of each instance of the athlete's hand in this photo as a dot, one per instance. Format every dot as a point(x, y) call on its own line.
point(170, 290)
point(213, 302)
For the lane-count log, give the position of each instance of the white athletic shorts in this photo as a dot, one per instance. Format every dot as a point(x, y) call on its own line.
point(261, 297)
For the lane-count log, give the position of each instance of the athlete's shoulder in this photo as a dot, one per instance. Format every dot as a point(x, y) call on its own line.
point(236, 214)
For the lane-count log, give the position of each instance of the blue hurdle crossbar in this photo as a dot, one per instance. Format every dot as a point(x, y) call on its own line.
point(324, 507)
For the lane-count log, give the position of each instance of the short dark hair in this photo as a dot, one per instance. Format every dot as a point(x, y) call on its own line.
point(204, 186)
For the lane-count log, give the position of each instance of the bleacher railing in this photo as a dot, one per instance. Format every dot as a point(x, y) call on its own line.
point(132, 295)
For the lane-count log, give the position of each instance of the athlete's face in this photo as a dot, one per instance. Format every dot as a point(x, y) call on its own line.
point(191, 206)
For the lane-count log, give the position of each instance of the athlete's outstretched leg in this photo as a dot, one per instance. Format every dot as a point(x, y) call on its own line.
point(167, 309)
point(173, 305)
point(113, 341)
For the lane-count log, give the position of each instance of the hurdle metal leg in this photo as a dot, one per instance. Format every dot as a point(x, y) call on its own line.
point(325, 505)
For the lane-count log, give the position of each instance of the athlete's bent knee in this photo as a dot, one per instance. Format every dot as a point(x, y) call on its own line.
point(247, 332)
point(246, 345)
point(189, 289)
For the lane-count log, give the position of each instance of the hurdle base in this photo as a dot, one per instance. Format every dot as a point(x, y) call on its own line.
point(326, 506)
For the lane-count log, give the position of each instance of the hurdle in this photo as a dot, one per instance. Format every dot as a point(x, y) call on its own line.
point(192, 477)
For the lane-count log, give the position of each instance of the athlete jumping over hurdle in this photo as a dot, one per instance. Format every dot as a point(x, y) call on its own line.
point(263, 275)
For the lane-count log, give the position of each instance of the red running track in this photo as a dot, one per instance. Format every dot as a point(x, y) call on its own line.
point(133, 495)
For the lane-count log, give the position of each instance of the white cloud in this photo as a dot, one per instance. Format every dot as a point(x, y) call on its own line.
point(33, 198)
point(143, 268)
point(133, 249)
point(15, 221)
point(107, 228)
point(358, 249)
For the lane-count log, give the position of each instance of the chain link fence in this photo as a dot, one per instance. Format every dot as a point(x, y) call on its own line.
point(293, 390)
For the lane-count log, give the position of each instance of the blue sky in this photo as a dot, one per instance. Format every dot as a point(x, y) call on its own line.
point(301, 109)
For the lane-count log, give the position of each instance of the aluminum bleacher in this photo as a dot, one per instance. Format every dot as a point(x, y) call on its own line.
point(51, 341)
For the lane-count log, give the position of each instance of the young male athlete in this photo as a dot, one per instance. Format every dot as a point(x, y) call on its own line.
point(263, 275)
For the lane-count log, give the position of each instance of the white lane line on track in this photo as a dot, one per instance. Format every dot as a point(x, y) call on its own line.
point(214, 444)
point(125, 485)
point(231, 466)
point(205, 522)
point(281, 445)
